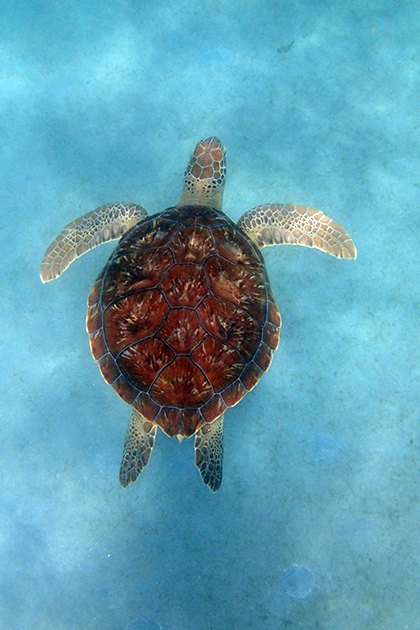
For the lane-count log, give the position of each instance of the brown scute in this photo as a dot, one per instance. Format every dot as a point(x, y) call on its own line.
point(95, 292)
point(175, 421)
point(135, 271)
point(146, 406)
point(184, 285)
point(221, 363)
point(94, 318)
point(192, 244)
point(214, 408)
point(234, 393)
point(234, 285)
point(108, 368)
point(97, 344)
point(203, 216)
point(125, 389)
point(231, 245)
point(133, 318)
point(271, 335)
point(230, 325)
point(181, 384)
point(263, 357)
point(169, 420)
point(251, 375)
point(182, 321)
point(152, 233)
point(182, 330)
point(273, 312)
point(143, 361)
point(190, 422)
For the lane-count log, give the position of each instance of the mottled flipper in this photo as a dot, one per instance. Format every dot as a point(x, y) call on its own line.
point(209, 453)
point(278, 224)
point(137, 448)
point(92, 229)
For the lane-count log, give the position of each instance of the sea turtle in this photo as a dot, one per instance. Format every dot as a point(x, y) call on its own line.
point(182, 321)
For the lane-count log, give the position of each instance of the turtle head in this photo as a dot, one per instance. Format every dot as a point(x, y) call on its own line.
point(205, 175)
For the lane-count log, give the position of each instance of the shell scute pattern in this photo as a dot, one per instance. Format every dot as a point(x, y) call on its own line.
point(144, 360)
point(227, 281)
point(182, 320)
point(230, 325)
point(192, 245)
point(236, 249)
point(133, 317)
point(184, 285)
point(182, 330)
point(133, 271)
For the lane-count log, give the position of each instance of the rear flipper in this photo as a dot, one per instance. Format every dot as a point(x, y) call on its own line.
point(209, 453)
point(279, 224)
point(137, 448)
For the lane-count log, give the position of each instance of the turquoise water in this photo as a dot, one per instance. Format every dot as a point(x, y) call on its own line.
point(316, 523)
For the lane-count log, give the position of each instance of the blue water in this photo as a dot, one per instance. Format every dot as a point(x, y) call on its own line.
point(316, 523)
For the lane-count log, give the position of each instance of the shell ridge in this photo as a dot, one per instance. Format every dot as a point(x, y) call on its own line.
point(157, 376)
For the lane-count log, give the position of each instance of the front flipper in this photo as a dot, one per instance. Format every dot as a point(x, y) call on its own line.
point(137, 448)
point(209, 453)
point(92, 229)
point(278, 224)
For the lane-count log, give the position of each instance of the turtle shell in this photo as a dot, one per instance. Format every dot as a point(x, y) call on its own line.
point(181, 320)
